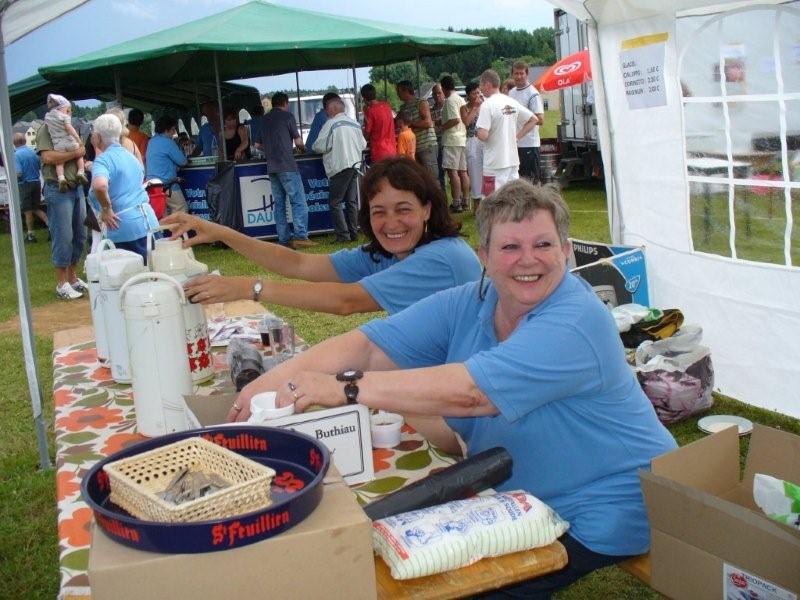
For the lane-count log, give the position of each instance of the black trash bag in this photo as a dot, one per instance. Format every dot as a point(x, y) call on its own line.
point(222, 197)
point(461, 480)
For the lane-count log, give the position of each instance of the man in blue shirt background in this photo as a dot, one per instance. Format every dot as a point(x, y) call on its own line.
point(319, 120)
point(163, 159)
point(30, 188)
point(208, 137)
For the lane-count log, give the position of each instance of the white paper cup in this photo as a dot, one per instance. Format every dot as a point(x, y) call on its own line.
point(385, 428)
point(262, 408)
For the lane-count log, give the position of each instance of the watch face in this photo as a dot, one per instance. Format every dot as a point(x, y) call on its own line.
point(349, 375)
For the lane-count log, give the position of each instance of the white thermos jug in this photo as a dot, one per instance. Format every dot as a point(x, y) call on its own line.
point(105, 251)
point(153, 308)
point(170, 257)
point(113, 273)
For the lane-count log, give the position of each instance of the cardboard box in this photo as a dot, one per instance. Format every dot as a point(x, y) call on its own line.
point(344, 430)
point(328, 555)
point(618, 274)
point(710, 540)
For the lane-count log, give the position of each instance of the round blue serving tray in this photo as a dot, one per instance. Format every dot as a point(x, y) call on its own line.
point(300, 463)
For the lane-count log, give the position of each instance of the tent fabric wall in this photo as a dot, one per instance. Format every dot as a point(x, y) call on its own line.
point(750, 312)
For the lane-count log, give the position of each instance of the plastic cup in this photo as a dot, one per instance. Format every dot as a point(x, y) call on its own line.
point(262, 408)
point(385, 428)
point(281, 340)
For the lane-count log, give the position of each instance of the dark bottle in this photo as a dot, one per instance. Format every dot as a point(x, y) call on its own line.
point(245, 362)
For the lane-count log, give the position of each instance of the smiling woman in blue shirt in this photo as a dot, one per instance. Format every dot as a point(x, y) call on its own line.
point(413, 250)
point(528, 359)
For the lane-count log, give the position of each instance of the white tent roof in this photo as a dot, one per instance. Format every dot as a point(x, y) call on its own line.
point(660, 160)
point(23, 16)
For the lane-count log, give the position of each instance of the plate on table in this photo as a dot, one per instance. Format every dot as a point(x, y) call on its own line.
point(715, 423)
point(300, 463)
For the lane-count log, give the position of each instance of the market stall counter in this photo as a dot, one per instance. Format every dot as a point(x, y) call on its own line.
point(94, 418)
point(253, 200)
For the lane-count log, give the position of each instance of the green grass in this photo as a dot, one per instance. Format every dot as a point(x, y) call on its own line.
point(551, 120)
point(29, 546)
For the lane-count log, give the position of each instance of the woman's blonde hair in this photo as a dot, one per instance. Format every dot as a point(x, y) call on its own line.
point(120, 114)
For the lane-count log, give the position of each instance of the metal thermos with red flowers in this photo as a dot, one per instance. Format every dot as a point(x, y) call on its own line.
point(170, 257)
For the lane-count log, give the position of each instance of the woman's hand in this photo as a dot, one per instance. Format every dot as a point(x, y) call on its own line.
point(211, 289)
point(308, 388)
point(108, 217)
point(238, 154)
point(182, 222)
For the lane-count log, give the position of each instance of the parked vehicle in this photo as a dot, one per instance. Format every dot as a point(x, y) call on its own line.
point(311, 105)
point(578, 147)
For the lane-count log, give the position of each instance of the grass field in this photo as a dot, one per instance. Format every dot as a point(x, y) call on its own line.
point(28, 541)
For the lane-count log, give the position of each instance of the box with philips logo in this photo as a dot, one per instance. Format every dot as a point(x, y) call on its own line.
point(345, 430)
point(618, 274)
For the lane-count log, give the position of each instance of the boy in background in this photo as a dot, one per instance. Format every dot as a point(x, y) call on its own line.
point(406, 140)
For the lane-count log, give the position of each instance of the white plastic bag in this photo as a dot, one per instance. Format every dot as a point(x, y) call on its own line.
point(676, 374)
point(459, 533)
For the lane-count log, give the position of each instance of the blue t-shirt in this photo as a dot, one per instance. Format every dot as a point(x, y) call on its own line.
point(163, 159)
point(396, 284)
point(207, 138)
point(316, 126)
point(572, 414)
point(27, 163)
point(277, 134)
point(128, 199)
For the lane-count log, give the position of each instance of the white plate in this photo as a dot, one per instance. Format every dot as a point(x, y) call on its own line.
point(715, 423)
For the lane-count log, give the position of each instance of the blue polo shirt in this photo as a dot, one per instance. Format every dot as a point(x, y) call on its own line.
point(572, 415)
point(128, 199)
point(277, 132)
point(396, 284)
point(163, 159)
point(208, 139)
point(316, 126)
point(27, 163)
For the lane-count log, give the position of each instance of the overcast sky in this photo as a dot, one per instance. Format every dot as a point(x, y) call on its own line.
point(101, 23)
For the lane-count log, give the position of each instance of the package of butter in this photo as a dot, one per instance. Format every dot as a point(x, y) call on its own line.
point(459, 533)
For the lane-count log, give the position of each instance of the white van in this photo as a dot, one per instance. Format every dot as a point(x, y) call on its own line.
point(311, 105)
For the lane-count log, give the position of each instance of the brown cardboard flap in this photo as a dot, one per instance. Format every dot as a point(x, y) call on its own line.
point(735, 534)
point(212, 409)
point(772, 452)
point(710, 464)
point(684, 572)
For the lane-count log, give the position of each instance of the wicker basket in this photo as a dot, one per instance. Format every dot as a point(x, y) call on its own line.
point(135, 481)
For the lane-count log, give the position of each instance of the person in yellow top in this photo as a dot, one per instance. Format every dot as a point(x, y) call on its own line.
point(406, 140)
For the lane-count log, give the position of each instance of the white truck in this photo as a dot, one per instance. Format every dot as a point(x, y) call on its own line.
point(311, 105)
point(579, 151)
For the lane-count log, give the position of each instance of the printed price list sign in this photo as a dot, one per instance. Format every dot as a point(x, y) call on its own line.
point(642, 64)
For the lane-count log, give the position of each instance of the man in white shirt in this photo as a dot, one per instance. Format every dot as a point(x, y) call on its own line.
point(341, 144)
point(501, 123)
point(528, 147)
point(454, 143)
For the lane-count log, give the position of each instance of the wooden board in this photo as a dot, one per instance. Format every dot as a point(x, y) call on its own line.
point(639, 567)
point(484, 575)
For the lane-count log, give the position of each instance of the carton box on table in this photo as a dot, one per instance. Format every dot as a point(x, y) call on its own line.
point(327, 555)
point(709, 538)
point(345, 430)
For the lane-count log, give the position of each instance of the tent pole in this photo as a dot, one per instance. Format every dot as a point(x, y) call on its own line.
point(117, 88)
point(299, 112)
point(197, 107)
point(419, 80)
point(355, 91)
point(20, 266)
point(385, 82)
point(219, 107)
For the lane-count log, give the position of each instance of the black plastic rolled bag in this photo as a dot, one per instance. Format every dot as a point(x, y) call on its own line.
point(462, 480)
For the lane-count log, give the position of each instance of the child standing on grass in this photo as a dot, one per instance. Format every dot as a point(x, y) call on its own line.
point(65, 139)
point(406, 140)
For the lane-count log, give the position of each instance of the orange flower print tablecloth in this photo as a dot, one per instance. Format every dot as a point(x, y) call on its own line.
point(94, 417)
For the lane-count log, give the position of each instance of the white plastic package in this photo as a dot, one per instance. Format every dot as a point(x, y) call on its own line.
point(780, 500)
point(456, 534)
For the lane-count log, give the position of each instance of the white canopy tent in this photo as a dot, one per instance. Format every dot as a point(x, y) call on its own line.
point(18, 18)
point(702, 165)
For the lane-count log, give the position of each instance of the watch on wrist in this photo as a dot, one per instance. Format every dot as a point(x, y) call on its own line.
point(257, 287)
point(350, 376)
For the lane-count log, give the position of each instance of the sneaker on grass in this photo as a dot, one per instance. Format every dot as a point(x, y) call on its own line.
point(79, 285)
point(65, 292)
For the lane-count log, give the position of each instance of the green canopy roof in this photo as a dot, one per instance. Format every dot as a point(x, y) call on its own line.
point(31, 93)
point(257, 39)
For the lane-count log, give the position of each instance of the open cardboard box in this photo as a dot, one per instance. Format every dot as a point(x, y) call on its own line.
point(709, 539)
point(327, 555)
point(344, 430)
